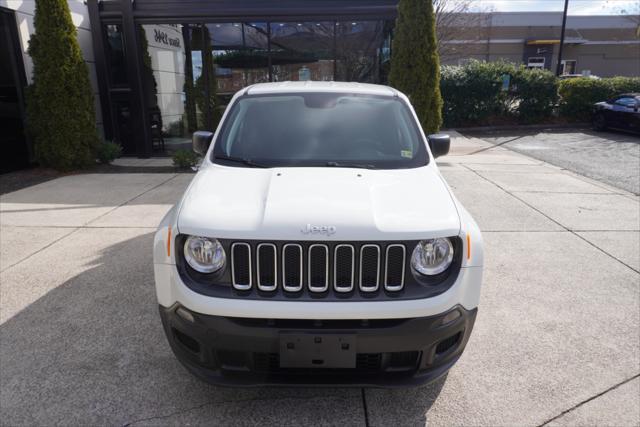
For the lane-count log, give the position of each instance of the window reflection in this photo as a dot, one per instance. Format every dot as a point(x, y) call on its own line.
point(115, 54)
point(162, 47)
point(241, 55)
point(302, 51)
point(190, 71)
point(361, 50)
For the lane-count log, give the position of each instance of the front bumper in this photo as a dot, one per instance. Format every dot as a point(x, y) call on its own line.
point(245, 352)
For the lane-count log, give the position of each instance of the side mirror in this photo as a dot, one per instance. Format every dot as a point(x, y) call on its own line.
point(439, 144)
point(201, 141)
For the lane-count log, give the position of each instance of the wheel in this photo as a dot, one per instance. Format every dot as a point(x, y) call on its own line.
point(599, 122)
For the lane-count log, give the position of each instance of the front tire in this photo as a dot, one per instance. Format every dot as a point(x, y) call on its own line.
point(599, 122)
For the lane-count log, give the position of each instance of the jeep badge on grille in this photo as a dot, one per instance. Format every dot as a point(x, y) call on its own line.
point(319, 229)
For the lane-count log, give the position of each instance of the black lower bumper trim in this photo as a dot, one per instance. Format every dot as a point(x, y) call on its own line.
point(247, 352)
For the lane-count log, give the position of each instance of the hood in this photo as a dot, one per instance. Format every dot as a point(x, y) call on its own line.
point(318, 204)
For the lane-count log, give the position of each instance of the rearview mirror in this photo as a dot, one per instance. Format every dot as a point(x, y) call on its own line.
point(201, 141)
point(439, 144)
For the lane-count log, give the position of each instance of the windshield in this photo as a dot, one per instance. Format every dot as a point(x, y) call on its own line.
point(320, 129)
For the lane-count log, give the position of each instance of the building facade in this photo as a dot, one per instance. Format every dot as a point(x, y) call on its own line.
point(161, 69)
point(598, 45)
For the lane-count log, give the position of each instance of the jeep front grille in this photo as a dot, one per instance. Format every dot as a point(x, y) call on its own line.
point(318, 267)
point(318, 271)
point(292, 267)
point(241, 266)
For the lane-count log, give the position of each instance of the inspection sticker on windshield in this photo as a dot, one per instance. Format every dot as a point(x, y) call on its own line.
point(406, 153)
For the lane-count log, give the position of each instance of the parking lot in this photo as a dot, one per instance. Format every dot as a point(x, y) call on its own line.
point(611, 157)
point(556, 340)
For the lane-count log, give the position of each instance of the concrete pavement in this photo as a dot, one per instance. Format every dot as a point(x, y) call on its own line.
point(557, 339)
point(611, 157)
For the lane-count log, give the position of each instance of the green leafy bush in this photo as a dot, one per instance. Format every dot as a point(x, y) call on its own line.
point(473, 94)
point(415, 65)
point(578, 95)
point(624, 84)
point(184, 159)
point(108, 151)
point(535, 92)
point(61, 115)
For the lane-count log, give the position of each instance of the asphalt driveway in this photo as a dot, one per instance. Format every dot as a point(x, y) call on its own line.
point(610, 157)
point(556, 341)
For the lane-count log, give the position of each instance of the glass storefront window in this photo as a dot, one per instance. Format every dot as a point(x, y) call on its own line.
point(190, 71)
point(302, 51)
point(361, 50)
point(115, 55)
point(241, 55)
point(165, 69)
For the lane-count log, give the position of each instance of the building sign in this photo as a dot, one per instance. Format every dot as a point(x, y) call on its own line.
point(162, 37)
point(506, 80)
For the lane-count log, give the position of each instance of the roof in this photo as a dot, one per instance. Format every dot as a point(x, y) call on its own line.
point(318, 86)
point(548, 19)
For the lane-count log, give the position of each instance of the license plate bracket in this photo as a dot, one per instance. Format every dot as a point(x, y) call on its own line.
point(309, 350)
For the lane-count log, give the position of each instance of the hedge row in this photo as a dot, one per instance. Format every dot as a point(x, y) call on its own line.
point(577, 96)
point(490, 92)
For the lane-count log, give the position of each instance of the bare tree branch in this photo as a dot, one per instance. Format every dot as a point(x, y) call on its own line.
point(458, 20)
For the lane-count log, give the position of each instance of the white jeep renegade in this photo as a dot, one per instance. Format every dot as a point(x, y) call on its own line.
point(318, 244)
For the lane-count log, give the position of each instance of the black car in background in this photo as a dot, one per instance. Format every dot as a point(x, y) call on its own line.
point(620, 112)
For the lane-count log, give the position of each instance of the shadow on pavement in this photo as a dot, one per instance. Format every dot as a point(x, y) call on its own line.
point(406, 407)
point(92, 351)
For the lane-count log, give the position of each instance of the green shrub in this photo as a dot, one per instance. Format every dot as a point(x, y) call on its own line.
point(624, 84)
point(108, 151)
point(535, 92)
point(184, 159)
point(473, 94)
point(578, 95)
point(206, 85)
point(415, 65)
point(61, 115)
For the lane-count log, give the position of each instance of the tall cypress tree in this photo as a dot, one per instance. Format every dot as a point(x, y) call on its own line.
point(60, 109)
point(415, 65)
point(207, 84)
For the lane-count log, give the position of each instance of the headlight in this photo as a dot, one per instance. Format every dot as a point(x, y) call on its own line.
point(203, 254)
point(432, 256)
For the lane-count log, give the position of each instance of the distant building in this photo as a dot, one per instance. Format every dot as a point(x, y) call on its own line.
point(598, 45)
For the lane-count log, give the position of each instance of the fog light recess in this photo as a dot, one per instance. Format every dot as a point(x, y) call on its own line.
point(450, 317)
point(184, 314)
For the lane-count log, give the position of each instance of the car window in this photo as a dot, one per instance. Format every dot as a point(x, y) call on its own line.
point(321, 129)
point(626, 101)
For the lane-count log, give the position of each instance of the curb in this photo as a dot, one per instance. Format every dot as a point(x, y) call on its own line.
point(580, 125)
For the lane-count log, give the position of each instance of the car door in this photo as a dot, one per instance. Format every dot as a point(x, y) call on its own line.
point(622, 112)
point(634, 123)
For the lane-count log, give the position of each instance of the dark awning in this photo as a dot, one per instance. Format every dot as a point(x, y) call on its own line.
point(175, 11)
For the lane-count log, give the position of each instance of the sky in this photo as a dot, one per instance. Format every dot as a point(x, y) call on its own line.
point(576, 7)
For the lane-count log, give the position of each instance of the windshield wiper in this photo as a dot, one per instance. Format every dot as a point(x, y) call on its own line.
point(350, 165)
point(247, 162)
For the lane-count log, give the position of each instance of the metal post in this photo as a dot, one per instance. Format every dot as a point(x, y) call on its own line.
point(142, 133)
point(99, 50)
point(269, 51)
point(564, 24)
